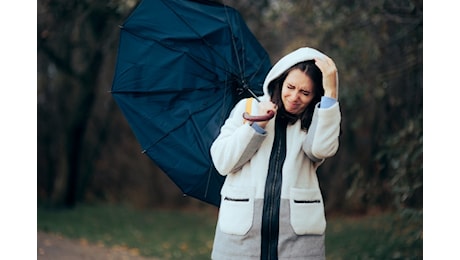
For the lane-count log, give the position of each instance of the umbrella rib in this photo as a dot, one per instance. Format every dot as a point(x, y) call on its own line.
point(196, 58)
point(203, 87)
point(194, 31)
point(241, 69)
point(149, 146)
point(202, 146)
point(259, 67)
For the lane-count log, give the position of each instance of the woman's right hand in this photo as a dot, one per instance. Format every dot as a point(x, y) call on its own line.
point(263, 108)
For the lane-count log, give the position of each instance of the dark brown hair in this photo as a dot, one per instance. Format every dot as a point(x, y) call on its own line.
point(275, 86)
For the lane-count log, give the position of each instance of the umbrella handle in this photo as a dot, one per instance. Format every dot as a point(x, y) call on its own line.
point(270, 114)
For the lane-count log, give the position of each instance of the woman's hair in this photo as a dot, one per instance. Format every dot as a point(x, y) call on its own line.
point(274, 89)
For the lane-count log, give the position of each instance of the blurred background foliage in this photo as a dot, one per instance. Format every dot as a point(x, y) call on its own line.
point(88, 154)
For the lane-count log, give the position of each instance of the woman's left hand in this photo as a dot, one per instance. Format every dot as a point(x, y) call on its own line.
point(329, 70)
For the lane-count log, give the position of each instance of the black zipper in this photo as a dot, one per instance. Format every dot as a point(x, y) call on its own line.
point(272, 196)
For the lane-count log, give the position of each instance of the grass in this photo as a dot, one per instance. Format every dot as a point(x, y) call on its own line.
point(168, 234)
point(384, 236)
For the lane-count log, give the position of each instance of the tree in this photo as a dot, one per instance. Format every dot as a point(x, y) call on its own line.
point(75, 42)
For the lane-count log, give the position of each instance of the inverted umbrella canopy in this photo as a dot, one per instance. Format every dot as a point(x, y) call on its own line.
point(181, 67)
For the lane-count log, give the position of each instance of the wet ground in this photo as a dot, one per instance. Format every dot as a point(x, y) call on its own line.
point(55, 247)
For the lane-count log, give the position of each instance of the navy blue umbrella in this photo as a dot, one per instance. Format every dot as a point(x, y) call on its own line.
point(181, 67)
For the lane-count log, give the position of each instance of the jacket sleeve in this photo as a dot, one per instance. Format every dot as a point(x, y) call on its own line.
point(236, 143)
point(322, 139)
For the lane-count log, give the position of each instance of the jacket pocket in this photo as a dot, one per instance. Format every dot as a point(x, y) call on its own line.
point(236, 210)
point(307, 211)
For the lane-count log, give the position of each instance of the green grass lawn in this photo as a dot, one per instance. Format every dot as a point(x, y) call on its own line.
point(170, 234)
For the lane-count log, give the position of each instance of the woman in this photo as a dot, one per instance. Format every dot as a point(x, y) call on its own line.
point(272, 206)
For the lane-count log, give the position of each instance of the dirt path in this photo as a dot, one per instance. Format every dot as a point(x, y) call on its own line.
point(55, 247)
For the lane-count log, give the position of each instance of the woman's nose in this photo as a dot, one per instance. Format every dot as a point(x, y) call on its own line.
point(296, 95)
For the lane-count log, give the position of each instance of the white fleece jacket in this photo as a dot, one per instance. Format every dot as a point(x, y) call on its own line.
point(242, 155)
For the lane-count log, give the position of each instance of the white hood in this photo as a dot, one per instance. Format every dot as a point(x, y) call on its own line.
point(299, 55)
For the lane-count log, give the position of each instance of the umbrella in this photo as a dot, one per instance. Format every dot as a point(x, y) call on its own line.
point(181, 67)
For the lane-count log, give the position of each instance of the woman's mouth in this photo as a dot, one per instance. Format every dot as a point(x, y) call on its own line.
point(292, 105)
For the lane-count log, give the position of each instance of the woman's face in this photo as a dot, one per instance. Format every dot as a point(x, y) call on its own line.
point(297, 92)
